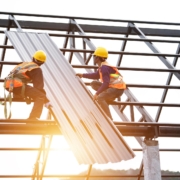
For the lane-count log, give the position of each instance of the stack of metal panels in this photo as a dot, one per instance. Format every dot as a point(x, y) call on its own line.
point(92, 137)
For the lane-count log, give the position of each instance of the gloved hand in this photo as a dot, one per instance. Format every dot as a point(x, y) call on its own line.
point(48, 105)
point(95, 97)
point(79, 75)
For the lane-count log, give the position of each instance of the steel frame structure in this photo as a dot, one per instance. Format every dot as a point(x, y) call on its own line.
point(146, 126)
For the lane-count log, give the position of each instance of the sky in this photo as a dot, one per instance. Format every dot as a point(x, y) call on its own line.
point(161, 10)
point(143, 10)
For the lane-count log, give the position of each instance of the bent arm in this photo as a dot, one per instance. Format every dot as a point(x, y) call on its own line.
point(91, 75)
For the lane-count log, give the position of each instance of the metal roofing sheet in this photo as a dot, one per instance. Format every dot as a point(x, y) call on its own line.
point(92, 137)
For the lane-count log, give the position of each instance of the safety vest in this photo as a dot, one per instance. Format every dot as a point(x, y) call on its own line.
point(18, 77)
point(116, 80)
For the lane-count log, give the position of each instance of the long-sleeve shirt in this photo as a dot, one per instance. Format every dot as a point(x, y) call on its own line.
point(106, 71)
point(36, 76)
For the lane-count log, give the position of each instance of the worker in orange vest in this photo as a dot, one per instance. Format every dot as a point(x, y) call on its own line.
point(16, 82)
point(111, 84)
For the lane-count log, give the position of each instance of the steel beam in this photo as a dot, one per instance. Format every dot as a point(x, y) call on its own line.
point(91, 28)
point(108, 38)
point(87, 18)
point(123, 47)
point(110, 52)
point(154, 49)
point(83, 176)
point(126, 128)
point(167, 83)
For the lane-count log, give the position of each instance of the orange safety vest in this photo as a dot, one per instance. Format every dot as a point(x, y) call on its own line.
point(18, 77)
point(116, 80)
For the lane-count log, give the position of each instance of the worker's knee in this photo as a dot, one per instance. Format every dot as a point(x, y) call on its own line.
point(95, 85)
point(101, 99)
point(40, 97)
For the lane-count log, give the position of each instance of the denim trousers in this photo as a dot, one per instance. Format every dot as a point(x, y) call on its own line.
point(34, 94)
point(109, 94)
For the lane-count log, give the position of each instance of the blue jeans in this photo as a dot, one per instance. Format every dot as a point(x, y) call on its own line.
point(109, 94)
point(34, 94)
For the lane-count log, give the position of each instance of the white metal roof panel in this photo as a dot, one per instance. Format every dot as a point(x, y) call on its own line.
point(92, 137)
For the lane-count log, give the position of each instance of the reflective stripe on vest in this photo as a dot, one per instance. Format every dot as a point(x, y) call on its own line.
point(116, 80)
point(18, 75)
point(16, 83)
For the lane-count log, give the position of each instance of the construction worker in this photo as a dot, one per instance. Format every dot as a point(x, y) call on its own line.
point(26, 72)
point(111, 85)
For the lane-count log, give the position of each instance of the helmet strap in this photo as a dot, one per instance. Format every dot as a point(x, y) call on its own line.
point(39, 63)
point(102, 59)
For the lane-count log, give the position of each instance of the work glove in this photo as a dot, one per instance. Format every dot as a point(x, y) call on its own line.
point(79, 75)
point(48, 105)
point(95, 97)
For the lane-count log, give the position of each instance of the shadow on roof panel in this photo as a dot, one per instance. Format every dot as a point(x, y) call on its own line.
point(92, 137)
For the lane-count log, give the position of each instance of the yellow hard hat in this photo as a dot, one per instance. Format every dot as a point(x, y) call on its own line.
point(40, 56)
point(101, 52)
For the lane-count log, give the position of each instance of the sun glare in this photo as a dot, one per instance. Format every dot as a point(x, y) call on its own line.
point(62, 160)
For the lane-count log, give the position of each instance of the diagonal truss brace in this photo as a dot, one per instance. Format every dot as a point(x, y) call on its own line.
point(154, 49)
